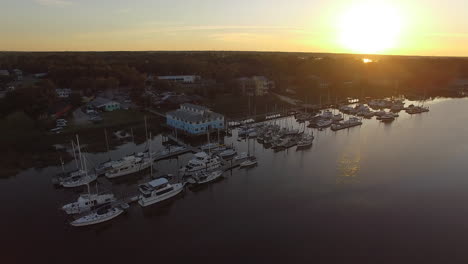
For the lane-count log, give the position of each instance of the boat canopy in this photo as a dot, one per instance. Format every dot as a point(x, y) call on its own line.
point(158, 182)
point(201, 155)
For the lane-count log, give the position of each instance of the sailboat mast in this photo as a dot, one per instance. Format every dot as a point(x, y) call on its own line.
point(107, 142)
point(146, 129)
point(208, 137)
point(79, 151)
point(151, 158)
point(74, 154)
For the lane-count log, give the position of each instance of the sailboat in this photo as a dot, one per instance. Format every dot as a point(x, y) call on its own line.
point(251, 160)
point(105, 213)
point(80, 177)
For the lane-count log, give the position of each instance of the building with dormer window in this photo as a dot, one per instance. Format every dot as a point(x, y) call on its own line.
point(194, 119)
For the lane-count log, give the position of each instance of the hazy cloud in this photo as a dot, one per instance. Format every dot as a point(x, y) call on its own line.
point(53, 2)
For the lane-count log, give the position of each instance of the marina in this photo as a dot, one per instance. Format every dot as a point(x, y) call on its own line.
point(270, 166)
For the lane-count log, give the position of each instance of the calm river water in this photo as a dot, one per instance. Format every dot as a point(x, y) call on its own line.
point(396, 192)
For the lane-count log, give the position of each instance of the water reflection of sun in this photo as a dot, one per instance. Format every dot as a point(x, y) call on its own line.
point(348, 169)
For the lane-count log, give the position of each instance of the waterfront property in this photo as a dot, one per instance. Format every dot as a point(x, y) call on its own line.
point(194, 119)
point(105, 104)
point(63, 93)
point(257, 85)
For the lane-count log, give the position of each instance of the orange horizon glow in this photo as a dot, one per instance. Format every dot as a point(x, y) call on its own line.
point(413, 27)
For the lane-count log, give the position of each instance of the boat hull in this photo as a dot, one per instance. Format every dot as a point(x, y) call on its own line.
point(178, 188)
point(97, 221)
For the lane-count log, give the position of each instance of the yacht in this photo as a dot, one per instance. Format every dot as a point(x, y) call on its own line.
point(157, 191)
point(170, 150)
point(242, 156)
point(206, 177)
point(202, 161)
point(209, 146)
point(323, 123)
point(351, 122)
point(87, 202)
point(251, 161)
point(327, 115)
point(387, 117)
point(129, 165)
point(337, 117)
point(305, 141)
point(416, 109)
point(102, 214)
point(228, 153)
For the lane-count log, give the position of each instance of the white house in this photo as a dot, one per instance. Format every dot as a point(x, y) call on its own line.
point(63, 93)
point(181, 78)
point(194, 119)
point(105, 104)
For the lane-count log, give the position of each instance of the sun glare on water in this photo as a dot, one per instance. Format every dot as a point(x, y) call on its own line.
point(370, 27)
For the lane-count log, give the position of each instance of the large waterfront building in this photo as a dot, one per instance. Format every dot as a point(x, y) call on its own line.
point(194, 119)
point(257, 85)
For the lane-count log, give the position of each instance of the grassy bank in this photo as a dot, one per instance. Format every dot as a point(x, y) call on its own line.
point(25, 143)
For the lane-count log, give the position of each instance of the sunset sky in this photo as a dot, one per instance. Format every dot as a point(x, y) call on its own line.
point(411, 27)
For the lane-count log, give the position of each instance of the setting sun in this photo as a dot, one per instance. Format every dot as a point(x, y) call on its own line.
point(370, 27)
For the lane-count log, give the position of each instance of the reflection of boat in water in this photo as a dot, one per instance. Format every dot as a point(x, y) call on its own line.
point(157, 191)
point(103, 214)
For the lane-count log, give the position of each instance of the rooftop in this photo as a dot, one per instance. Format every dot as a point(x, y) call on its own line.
point(198, 107)
point(100, 101)
point(193, 116)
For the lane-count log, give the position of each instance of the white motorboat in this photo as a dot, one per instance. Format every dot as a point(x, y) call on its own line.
point(324, 123)
point(201, 162)
point(337, 117)
point(416, 109)
point(209, 146)
point(241, 156)
point(170, 150)
point(157, 191)
point(206, 177)
point(251, 161)
point(87, 202)
point(305, 141)
point(351, 122)
point(101, 215)
point(129, 165)
point(387, 118)
point(253, 134)
point(327, 114)
point(228, 153)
